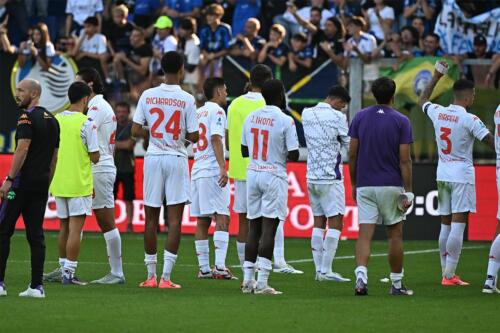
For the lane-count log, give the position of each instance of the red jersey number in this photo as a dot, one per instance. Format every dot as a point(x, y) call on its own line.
point(265, 141)
point(173, 125)
point(445, 136)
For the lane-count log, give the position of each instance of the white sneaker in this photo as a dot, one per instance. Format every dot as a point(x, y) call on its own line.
point(248, 287)
point(286, 269)
point(333, 277)
point(38, 292)
point(267, 291)
point(487, 289)
point(3, 290)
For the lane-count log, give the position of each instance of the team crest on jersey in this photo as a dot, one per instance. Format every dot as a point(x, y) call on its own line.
point(421, 80)
point(55, 82)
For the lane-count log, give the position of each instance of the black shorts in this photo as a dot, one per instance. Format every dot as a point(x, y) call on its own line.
point(128, 184)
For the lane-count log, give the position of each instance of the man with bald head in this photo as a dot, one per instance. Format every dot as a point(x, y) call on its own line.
point(25, 189)
point(248, 44)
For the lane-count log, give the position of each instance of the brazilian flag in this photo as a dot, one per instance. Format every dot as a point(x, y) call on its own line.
point(412, 77)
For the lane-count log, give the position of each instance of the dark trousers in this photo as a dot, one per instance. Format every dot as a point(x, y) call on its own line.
point(32, 206)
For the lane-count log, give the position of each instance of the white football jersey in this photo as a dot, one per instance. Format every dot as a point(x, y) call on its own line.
point(212, 121)
point(170, 113)
point(269, 135)
point(103, 116)
point(455, 133)
point(497, 134)
point(325, 130)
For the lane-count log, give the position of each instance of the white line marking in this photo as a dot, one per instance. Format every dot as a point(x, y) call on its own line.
point(296, 261)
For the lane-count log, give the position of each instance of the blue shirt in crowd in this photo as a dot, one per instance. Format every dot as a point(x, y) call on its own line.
point(215, 41)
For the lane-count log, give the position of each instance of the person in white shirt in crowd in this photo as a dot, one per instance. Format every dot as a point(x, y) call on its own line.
point(325, 130)
point(290, 22)
point(189, 46)
point(163, 41)
point(361, 44)
point(39, 49)
point(78, 11)
point(91, 48)
point(456, 131)
point(379, 19)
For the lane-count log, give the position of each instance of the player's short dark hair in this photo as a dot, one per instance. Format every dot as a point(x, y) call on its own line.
point(339, 92)
point(259, 75)
point(462, 85)
point(434, 35)
point(123, 104)
point(383, 90)
point(357, 21)
point(273, 92)
point(77, 91)
point(186, 24)
point(300, 36)
point(92, 20)
point(90, 74)
point(172, 62)
point(211, 84)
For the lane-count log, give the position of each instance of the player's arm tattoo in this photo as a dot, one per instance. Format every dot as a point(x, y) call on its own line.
point(427, 92)
point(489, 140)
point(244, 151)
point(293, 155)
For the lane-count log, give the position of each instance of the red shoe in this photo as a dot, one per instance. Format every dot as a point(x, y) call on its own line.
point(164, 284)
point(454, 281)
point(149, 283)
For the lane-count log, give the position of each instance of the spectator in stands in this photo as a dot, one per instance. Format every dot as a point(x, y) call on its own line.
point(214, 41)
point(426, 9)
point(5, 45)
point(301, 54)
point(135, 65)
point(431, 46)
point(479, 52)
point(65, 45)
point(380, 19)
point(163, 42)
point(91, 48)
point(118, 31)
point(178, 9)
point(249, 43)
point(312, 25)
point(361, 44)
point(243, 10)
point(419, 24)
point(38, 48)
point(145, 12)
point(77, 12)
point(274, 52)
point(124, 159)
point(409, 42)
point(290, 23)
point(189, 46)
point(344, 9)
point(329, 45)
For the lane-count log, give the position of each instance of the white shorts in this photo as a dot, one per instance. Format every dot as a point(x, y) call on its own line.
point(327, 199)
point(240, 196)
point(456, 198)
point(67, 207)
point(498, 190)
point(103, 190)
point(208, 198)
point(166, 177)
point(267, 195)
point(379, 205)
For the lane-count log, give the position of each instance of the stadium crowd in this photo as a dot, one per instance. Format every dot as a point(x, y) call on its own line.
point(125, 40)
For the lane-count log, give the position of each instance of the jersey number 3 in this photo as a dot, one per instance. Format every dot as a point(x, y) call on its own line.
point(265, 141)
point(173, 125)
point(445, 136)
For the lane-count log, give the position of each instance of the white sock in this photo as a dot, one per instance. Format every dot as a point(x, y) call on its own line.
point(168, 264)
point(150, 261)
point(443, 239)
point(221, 241)
point(361, 272)
point(69, 268)
point(114, 249)
point(265, 267)
point(279, 246)
point(249, 271)
point(240, 247)
point(202, 252)
point(454, 248)
point(396, 279)
point(494, 262)
point(317, 247)
point(329, 249)
point(61, 263)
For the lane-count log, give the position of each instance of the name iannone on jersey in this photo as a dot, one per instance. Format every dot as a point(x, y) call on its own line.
point(166, 101)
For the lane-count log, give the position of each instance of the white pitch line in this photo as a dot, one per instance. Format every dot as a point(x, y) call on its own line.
point(296, 261)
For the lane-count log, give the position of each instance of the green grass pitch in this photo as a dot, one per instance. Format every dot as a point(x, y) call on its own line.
point(215, 305)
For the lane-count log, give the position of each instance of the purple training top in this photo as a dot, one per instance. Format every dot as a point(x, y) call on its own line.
point(380, 130)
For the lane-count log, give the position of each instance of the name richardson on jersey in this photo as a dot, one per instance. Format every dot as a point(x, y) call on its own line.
point(262, 121)
point(166, 101)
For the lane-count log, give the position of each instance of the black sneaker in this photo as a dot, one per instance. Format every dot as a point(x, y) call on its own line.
point(403, 291)
point(361, 288)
